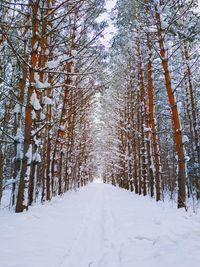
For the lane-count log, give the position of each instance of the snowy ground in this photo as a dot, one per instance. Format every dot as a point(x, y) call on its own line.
point(100, 226)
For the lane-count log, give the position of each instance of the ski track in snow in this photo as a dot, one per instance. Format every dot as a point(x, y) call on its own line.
point(100, 226)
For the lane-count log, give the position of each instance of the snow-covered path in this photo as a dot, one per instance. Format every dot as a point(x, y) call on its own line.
point(100, 226)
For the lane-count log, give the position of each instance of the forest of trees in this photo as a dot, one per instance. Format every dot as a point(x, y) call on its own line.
point(155, 106)
point(49, 55)
point(72, 109)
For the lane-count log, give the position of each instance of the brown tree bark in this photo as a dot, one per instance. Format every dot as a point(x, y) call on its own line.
point(153, 125)
point(20, 206)
point(175, 115)
point(143, 119)
point(60, 140)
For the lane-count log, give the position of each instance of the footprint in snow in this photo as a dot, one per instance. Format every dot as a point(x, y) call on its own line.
point(156, 221)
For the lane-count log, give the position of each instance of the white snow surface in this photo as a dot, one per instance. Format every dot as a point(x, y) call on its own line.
point(100, 226)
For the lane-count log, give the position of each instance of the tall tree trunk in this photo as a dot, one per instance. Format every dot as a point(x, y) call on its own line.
point(175, 115)
point(152, 123)
point(24, 176)
point(143, 119)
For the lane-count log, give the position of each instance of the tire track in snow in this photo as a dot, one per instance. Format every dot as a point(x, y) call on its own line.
point(111, 257)
point(90, 236)
point(98, 236)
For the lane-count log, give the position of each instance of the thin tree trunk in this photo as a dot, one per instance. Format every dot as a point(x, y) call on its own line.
point(20, 205)
point(175, 115)
point(153, 124)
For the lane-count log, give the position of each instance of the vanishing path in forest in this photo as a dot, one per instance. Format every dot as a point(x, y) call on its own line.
point(100, 226)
